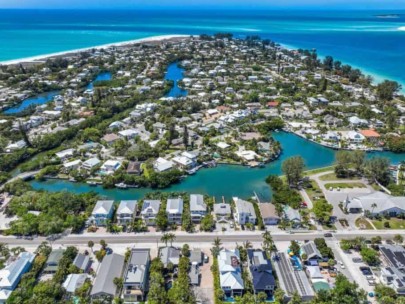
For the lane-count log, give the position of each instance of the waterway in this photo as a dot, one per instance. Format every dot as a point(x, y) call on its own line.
point(226, 180)
point(175, 73)
point(48, 96)
point(223, 180)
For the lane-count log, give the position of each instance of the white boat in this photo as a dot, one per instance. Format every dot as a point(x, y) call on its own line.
point(121, 186)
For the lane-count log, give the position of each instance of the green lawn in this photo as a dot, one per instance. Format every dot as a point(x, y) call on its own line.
point(394, 223)
point(332, 176)
point(315, 191)
point(319, 170)
point(345, 185)
point(363, 224)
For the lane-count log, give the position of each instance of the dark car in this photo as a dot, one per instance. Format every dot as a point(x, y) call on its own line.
point(328, 234)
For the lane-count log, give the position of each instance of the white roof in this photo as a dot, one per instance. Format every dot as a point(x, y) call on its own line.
point(74, 281)
point(64, 153)
point(72, 163)
point(232, 280)
point(103, 207)
point(91, 162)
point(174, 205)
point(197, 203)
point(222, 145)
point(128, 132)
point(244, 207)
point(182, 160)
point(9, 276)
point(127, 207)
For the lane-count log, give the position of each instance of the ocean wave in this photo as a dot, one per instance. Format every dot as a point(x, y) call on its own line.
point(401, 28)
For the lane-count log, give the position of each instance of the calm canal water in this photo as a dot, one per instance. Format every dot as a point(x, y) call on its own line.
point(226, 180)
point(223, 180)
point(48, 96)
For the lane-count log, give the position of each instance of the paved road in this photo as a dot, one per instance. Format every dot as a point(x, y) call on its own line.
point(238, 236)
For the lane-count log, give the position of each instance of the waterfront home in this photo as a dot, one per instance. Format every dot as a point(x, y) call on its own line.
point(169, 255)
point(110, 166)
point(126, 212)
point(198, 209)
point(174, 210)
point(16, 146)
point(150, 209)
point(82, 262)
point(91, 163)
point(354, 137)
point(161, 165)
point(222, 212)
point(183, 162)
point(51, 264)
point(134, 167)
point(73, 282)
point(269, 214)
point(377, 203)
point(247, 155)
point(72, 165)
point(392, 274)
point(230, 274)
point(102, 212)
point(244, 212)
point(11, 275)
point(111, 267)
point(136, 276)
point(356, 122)
point(371, 135)
point(311, 251)
point(261, 272)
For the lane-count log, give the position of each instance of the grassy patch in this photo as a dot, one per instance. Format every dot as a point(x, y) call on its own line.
point(314, 192)
point(319, 170)
point(332, 176)
point(328, 227)
point(394, 223)
point(345, 185)
point(363, 224)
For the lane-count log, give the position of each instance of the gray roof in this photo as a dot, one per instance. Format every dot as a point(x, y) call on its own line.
point(81, 261)
point(103, 207)
point(138, 265)
point(150, 206)
point(222, 209)
point(383, 202)
point(311, 250)
point(174, 205)
point(74, 281)
point(245, 207)
point(197, 203)
point(53, 260)
point(127, 207)
point(110, 268)
point(170, 255)
point(196, 255)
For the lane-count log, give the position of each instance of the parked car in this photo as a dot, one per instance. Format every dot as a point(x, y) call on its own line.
point(357, 260)
point(328, 234)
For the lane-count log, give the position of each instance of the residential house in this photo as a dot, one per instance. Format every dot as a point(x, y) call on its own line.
point(126, 212)
point(102, 212)
point(134, 168)
point(261, 272)
point(169, 255)
point(150, 209)
point(110, 139)
point(371, 135)
point(292, 215)
point(269, 214)
point(110, 166)
point(162, 165)
point(354, 137)
point(222, 212)
point(82, 262)
point(311, 251)
point(91, 163)
point(51, 264)
point(198, 209)
point(11, 275)
point(111, 267)
point(196, 256)
point(244, 212)
point(73, 282)
point(230, 275)
point(136, 276)
point(174, 210)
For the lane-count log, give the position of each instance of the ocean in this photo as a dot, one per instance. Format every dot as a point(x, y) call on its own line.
point(360, 38)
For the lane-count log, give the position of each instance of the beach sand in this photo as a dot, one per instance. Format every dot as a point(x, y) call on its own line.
point(41, 58)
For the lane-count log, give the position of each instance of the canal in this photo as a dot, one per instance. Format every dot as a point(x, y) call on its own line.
point(48, 96)
point(223, 180)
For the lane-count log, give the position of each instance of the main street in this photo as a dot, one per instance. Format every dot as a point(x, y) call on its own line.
point(199, 237)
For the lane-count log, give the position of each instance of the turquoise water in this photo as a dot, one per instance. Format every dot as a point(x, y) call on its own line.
point(37, 100)
point(226, 180)
point(48, 96)
point(175, 73)
point(356, 37)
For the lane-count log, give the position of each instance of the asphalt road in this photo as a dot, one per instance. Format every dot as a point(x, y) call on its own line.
point(239, 236)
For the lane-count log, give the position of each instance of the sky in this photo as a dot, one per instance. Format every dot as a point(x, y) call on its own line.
point(205, 4)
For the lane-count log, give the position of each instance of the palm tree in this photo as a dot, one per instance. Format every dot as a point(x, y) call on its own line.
point(168, 237)
point(171, 237)
point(247, 244)
point(373, 206)
point(268, 242)
point(217, 242)
point(91, 244)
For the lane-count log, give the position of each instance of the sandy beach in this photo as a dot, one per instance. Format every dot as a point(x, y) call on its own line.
point(40, 58)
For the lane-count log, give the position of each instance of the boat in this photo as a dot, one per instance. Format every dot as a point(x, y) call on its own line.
point(72, 180)
point(92, 183)
point(121, 186)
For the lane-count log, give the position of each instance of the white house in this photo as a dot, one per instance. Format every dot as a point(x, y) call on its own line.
point(377, 203)
point(244, 212)
point(126, 212)
point(174, 210)
point(162, 165)
point(110, 166)
point(230, 275)
point(198, 208)
point(102, 212)
point(150, 209)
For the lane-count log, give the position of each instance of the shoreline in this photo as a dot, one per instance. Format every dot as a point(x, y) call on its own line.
point(40, 58)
